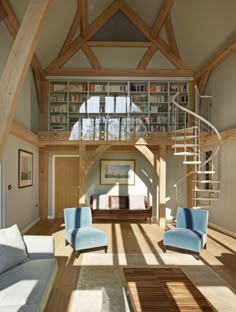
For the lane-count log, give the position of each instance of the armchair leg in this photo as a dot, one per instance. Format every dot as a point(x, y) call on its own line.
point(105, 248)
point(205, 246)
point(77, 253)
point(164, 248)
point(66, 243)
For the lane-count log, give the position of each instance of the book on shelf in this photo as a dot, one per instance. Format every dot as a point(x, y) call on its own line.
point(159, 88)
point(58, 87)
point(139, 87)
point(78, 87)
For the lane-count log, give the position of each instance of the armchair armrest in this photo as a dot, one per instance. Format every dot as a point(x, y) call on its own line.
point(39, 246)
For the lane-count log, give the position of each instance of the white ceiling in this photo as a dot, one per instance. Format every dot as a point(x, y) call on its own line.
point(201, 27)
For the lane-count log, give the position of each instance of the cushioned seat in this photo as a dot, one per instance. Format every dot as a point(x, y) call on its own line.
point(79, 232)
point(190, 232)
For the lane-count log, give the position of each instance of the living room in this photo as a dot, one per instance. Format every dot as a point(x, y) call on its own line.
point(163, 44)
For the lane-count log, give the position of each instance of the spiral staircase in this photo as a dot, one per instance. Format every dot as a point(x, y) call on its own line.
point(199, 143)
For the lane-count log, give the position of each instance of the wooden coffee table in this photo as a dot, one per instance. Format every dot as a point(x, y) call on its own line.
point(165, 290)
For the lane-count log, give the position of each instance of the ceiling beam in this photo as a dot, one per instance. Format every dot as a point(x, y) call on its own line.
point(202, 82)
point(91, 56)
point(17, 65)
point(79, 41)
point(219, 57)
point(3, 12)
point(119, 72)
point(147, 57)
point(12, 23)
point(72, 32)
point(145, 30)
point(171, 36)
point(83, 9)
point(165, 10)
point(119, 44)
point(155, 31)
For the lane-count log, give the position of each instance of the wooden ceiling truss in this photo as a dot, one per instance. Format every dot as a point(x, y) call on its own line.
point(150, 33)
point(12, 23)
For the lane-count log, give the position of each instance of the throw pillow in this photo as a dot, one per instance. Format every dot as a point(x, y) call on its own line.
point(100, 201)
point(136, 202)
point(12, 248)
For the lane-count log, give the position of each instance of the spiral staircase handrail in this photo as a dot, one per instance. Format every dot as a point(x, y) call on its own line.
point(206, 122)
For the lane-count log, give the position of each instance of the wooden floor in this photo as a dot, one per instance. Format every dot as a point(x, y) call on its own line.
point(127, 237)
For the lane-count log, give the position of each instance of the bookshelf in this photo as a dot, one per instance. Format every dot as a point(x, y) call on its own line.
point(135, 105)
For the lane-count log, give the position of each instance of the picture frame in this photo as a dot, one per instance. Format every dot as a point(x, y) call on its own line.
point(117, 172)
point(25, 168)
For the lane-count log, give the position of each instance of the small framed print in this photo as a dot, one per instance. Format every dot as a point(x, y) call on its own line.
point(25, 168)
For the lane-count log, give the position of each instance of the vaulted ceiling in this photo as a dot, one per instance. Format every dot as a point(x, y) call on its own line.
point(153, 38)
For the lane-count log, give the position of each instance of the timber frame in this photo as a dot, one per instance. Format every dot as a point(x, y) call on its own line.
point(16, 68)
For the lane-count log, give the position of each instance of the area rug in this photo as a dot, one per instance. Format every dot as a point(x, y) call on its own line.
point(102, 286)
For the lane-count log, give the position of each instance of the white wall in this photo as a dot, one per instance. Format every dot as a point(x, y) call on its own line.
point(222, 87)
point(19, 206)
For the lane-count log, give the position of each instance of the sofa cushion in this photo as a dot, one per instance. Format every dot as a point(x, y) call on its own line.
point(100, 201)
point(12, 248)
point(119, 202)
point(18, 308)
point(28, 283)
point(136, 202)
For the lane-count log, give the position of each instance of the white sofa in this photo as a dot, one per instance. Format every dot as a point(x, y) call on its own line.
point(27, 285)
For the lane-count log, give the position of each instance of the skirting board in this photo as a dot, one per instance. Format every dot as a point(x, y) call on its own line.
point(30, 225)
point(221, 229)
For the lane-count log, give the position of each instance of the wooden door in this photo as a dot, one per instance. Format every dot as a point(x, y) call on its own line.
point(66, 184)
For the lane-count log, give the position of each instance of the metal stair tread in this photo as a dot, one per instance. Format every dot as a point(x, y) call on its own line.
point(192, 162)
point(186, 129)
point(201, 207)
point(185, 145)
point(205, 171)
point(184, 137)
point(206, 190)
point(206, 181)
point(205, 198)
point(185, 154)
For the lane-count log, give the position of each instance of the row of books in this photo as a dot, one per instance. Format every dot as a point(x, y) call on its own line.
point(58, 119)
point(58, 98)
point(158, 98)
point(58, 108)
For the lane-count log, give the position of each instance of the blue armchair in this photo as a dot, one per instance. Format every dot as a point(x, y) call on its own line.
point(79, 232)
point(190, 232)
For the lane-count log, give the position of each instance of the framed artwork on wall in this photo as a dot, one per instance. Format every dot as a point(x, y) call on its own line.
point(25, 168)
point(117, 172)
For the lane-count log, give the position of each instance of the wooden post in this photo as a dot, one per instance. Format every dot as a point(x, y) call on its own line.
point(82, 176)
point(43, 183)
point(18, 62)
point(162, 187)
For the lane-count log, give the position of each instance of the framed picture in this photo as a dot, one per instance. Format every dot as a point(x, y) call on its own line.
point(117, 172)
point(25, 168)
